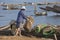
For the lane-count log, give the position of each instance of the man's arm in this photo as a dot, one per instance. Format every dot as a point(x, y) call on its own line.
point(24, 16)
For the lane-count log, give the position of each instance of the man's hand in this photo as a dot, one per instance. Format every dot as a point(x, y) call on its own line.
point(29, 20)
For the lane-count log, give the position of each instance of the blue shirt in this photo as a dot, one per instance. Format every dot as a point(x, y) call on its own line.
point(21, 16)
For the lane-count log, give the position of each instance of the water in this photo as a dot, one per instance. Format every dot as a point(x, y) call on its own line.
point(8, 15)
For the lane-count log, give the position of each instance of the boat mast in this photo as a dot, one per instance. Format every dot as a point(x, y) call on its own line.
point(35, 7)
point(46, 4)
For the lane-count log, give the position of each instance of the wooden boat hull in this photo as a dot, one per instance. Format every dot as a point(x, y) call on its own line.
point(41, 14)
point(44, 9)
point(54, 9)
point(13, 28)
point(11, 9)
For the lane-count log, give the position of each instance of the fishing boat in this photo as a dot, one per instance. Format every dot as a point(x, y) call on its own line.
point(47, 8)
point(10, 29)
point(54, 9)
point(10, 7)
point(41, 14)
point(43, 8)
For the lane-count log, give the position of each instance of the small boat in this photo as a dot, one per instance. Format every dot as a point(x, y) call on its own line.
point(11, 8)
point(41, 14)
point(43, 8)
point(8, 29)
point(12, 26)
point(56, 7)
point(51, 9)
point(47, 8)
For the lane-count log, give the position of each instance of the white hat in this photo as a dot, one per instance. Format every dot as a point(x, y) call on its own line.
point(23, 7)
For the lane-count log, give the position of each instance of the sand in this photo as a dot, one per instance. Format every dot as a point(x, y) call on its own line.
point(21, 38)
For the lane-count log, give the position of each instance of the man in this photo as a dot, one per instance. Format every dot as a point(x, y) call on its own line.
point(20, 20)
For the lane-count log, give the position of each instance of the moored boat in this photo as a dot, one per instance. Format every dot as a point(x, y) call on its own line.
point(41, 14)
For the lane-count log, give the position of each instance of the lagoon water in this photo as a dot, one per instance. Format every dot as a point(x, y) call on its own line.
point(8, 15)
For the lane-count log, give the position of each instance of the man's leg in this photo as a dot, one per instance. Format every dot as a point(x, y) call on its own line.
point(18, 30)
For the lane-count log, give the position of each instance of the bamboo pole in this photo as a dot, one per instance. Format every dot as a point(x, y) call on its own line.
point(55, 37)
point(35, 8)
point(5, 27)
